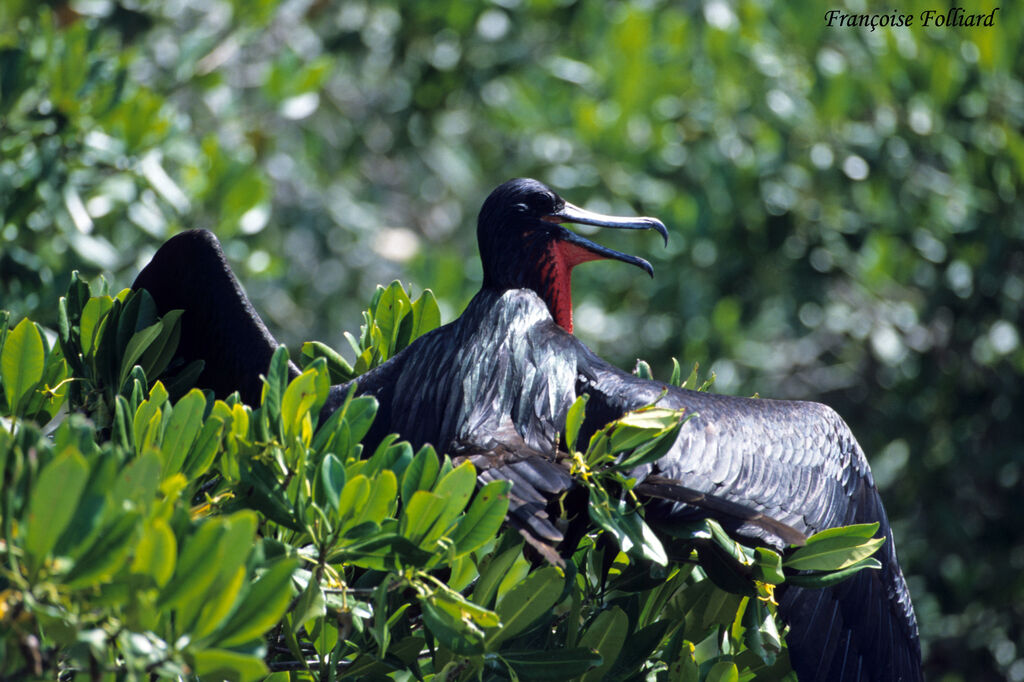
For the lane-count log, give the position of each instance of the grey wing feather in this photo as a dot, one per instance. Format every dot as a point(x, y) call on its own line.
point(799, 463)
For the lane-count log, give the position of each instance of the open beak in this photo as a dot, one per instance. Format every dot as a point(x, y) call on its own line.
point(571, 213)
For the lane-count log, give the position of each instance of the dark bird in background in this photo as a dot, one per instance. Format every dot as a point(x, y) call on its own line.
point(502, 376)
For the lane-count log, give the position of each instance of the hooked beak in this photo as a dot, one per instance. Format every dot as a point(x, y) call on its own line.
point(571, 213)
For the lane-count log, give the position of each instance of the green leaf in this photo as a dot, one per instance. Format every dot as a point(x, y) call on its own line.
point(156, 552)
point(53, 502)
point(138, 482)
point(574, 420)
point(677, 374)
point(22, 363)
point(818, 580)
point(426, 315)
point(526, 603)
point(262, 607)
point(203, 617)
point(144, 414)
point(353, 496)
point(220, 664)
point(275, 383)
point(330, 481)
point(560, 664)
point(204, 450)
point(457, 635)
point(606, 634)
point(311, 604)
point(105, 557)
point(182, 430)
point(462, 609)
point(720, 608)
point(768, 566)
point(382, 499)
point(833, 553)
point(94, 311)
point(420, 514)
point(421, 473)
point(197, 566)
point(723, 671)
point(298, 400)
point(725, 571)
point(483, 519)
point(359, 417)
point(491, 574)
point(858, 530)
point(455, 488)
point(341, 371)
point(137, 345)
point(761, 636)
point(160, 353)
point(629, 529)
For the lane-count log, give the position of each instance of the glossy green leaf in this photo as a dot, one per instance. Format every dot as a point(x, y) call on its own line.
point(155, 359)
point(137, 345)
point(311, 604)
point(819, 580)
point(298, 400)
point(339, 368)
point(723, 671)
point(353, 496)
point(574, 420)
point(606, 635)
point(421, 473)
point(262, 607)
point(53, 502)
point(330, 481)
point(560, 664)
point(106, 556)
point(833, 553)
point(275, 383)
point(457, 635)
point(22, 363)
point(421, 514)
point(768, 566)
point(182, 430)
point(526, 603)
point(204, 449)
point(491, 574)
point(858, 530)
point(483, 519)
point(156, 553)
point(232, 666)
point(455, 488)
point(197, 566)
point(382, 499)
point(92, 314)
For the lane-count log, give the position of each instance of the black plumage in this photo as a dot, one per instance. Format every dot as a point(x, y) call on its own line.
point(501, 377)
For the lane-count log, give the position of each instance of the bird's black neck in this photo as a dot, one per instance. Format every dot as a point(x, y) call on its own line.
point(544, 267)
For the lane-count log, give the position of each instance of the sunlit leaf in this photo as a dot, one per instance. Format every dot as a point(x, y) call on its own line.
point(22, 362)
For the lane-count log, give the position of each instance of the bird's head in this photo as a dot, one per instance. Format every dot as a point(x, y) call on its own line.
point(524, 244)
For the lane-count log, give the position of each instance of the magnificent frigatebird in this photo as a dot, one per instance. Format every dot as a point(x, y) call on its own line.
point(506, 371)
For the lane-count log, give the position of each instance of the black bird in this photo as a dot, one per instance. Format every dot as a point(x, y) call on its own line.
point(506, 371)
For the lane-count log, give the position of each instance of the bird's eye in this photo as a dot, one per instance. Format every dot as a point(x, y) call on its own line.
point(521, 208)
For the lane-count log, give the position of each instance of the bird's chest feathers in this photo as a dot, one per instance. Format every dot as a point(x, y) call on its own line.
point(561, 258)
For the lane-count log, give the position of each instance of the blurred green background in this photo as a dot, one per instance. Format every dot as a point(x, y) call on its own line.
point(845, 206)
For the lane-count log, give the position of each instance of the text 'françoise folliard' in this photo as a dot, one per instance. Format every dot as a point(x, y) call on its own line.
point(952, 18)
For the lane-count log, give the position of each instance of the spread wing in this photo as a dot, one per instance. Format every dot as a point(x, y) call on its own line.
point(219, 325)
point(799, 463)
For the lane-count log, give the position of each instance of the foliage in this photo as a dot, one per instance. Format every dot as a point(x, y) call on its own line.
point(844, 206)
point(153, 536)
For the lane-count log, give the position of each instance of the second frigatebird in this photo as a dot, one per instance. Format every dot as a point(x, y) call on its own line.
point(509, 368)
